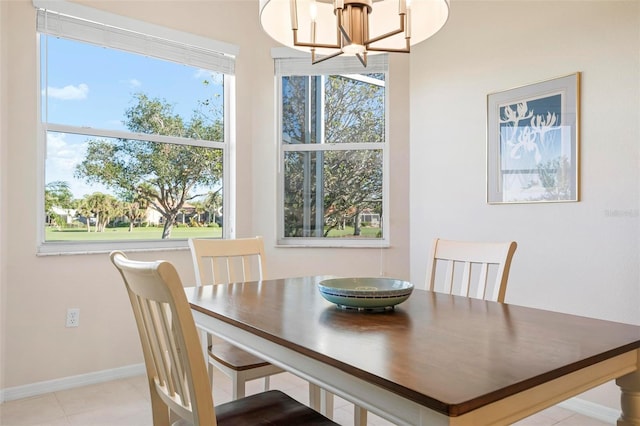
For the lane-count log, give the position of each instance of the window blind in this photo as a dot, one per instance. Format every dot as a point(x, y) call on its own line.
point(85, 24)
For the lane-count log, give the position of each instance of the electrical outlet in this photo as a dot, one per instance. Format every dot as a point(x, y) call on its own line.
point(73, 317)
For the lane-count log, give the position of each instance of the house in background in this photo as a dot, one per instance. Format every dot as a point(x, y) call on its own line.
point(66, 215)
point(370, 218)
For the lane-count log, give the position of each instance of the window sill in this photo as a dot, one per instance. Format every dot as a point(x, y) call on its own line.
point(79, 248)
point(332, 243)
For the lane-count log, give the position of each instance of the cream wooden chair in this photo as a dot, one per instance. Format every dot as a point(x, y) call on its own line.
point(479, 261)
point(471, 269)
point(219, 261)
point(175, 363)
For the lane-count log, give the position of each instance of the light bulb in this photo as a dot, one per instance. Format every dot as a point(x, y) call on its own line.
point(313, 10)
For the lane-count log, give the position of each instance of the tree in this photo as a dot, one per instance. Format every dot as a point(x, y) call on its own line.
point(213, 206)
point(84, 210)
point(165, 175)
point(57, 194)
point(349, 181)
point(199, 209)
point(354, 183)
point(134, 207)
point(103, 207)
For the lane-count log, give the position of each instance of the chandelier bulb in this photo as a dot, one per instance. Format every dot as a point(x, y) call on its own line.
point(293, 8)
point(313, 10)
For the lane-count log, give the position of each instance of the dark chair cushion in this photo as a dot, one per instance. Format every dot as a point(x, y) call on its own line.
point(268, 408)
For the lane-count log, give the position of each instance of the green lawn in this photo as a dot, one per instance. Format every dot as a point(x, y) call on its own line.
point(144, 233)
point(365, 232)
point(155, 233)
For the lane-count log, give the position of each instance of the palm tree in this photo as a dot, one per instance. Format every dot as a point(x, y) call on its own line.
point(103, 207)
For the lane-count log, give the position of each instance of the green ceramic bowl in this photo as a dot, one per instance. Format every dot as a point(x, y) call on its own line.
point(365, 293)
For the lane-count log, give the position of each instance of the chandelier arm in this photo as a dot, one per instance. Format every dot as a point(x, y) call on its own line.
point(323, 58)
point(306, 44)
point(319, 45)
point(388, 49)
point(407, 49)
point(345, 34)
point(339, 39)
point(389, 34)
point(341, 28)
point(362, 58)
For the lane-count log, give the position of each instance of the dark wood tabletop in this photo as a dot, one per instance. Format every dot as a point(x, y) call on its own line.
point(449, 353)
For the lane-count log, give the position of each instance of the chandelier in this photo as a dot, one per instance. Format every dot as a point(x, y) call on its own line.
point(328, 28)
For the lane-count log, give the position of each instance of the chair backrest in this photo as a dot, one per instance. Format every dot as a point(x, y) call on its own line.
point(473, 269)
point(173, 356)
point(218, 261)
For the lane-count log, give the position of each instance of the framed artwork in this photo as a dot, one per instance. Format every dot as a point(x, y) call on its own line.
point(533, 142)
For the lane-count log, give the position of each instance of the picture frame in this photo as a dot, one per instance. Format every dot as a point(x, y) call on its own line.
point(533, 142)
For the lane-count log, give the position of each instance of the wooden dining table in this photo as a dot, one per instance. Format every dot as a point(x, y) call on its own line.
point(434, 359)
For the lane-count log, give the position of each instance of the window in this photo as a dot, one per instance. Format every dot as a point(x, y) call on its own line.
point(136, 133)
point(333, 156)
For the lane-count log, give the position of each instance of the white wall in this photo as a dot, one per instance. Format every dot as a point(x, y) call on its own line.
point(3, 186)
point(572, 257)
point(37, 290)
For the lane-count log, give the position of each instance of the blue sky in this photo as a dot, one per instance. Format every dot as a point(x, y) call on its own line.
point(92, 86)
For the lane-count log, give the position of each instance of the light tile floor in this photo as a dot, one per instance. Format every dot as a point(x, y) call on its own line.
point(125, 402)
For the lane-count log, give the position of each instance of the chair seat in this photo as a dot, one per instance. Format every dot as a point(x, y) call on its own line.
point(234, 357)
point(268, 408)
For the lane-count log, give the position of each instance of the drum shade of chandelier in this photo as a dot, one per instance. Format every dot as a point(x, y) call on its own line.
point(328, 28)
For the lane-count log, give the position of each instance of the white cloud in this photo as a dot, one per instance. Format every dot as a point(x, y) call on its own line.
point(211, 76)
point(69, 92)
point(134, 83)
point(200, 73)
point(64, 153)
point(56, 144)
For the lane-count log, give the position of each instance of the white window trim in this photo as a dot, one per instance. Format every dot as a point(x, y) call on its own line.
point(223, 62)
point(296, 65)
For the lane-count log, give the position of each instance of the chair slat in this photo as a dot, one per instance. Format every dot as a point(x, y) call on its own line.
point(477, 258)
point(448, 281)
point(481, 288)
point(466, 279)
point(156, 351)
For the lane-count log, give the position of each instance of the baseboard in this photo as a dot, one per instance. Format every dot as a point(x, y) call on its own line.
point(70, 382)
point(591, 409)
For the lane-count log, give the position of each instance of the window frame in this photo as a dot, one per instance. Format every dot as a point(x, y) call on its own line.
point(287, 66)
point(226, 59)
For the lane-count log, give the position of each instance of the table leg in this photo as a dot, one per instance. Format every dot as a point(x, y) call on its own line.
point(629, 399)
point(321, 400)
point(359, 416)
point(314, 397)
point(326, 403)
